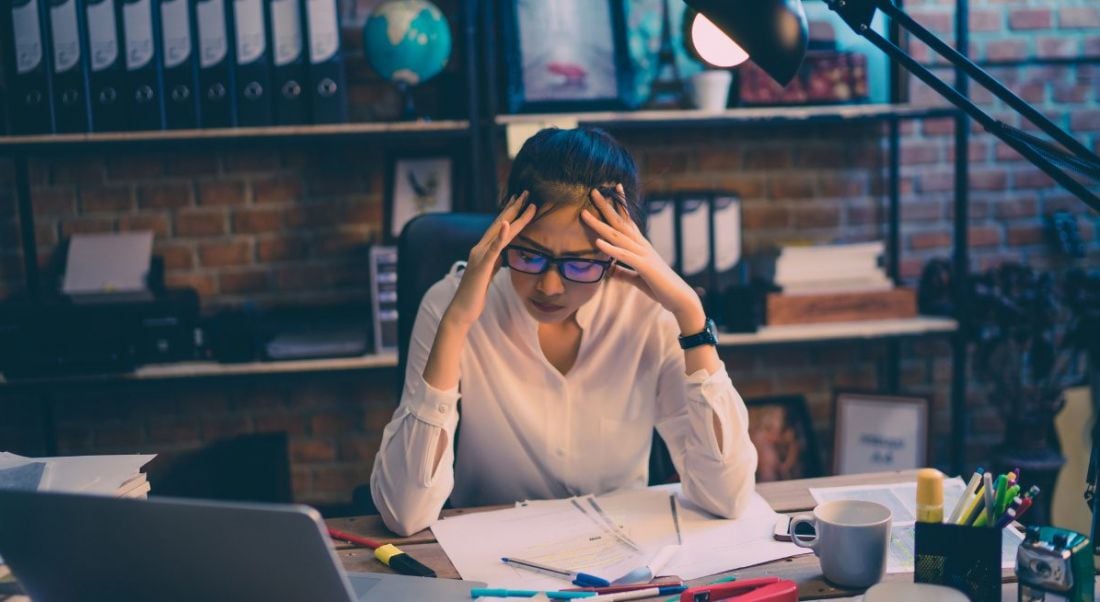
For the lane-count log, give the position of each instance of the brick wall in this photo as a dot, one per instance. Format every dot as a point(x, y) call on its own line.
point(280, 223)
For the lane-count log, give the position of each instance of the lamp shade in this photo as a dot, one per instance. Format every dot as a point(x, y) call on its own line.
point(773, 32)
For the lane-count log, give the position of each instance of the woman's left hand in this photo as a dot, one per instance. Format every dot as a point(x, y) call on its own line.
point(620, 238)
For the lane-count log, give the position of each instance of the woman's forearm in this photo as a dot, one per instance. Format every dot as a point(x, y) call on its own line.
point(442, 368)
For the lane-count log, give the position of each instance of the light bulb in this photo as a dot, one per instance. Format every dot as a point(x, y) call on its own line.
point(713, 46)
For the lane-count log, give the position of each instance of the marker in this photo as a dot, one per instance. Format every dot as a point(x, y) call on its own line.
point(578, 578)
point(1024, 505)
point(1010, 495)
point(971, 487)
point(990, 495)
point(479, 592)
point(614, 589)
point(401, 562)
point(973, 505)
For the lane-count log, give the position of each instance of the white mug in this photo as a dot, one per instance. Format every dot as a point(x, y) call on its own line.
point(710, 89)
point(851, 540)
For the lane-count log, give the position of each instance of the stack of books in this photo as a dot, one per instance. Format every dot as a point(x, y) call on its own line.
point(850, 268)
point(118, 476)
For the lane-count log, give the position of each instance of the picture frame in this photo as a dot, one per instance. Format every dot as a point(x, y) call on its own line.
point(417, 184)
point(873, 432)
point(782, 431)
point(847, 39)
point(566, 55)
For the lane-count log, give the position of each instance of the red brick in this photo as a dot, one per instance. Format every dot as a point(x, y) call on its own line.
point(988, 179)
point(1030, 18)
point(255, 221)
point(277, 190)
point(938, 21)
point(312, 450)
point(1015, 208)
point(1072, 93)
point(986, 20)
point(816, 215)
point(83, 225)
point(132, 166)
point(83, 169)
point(222, 192)
point(201, 223)
point(1030, 178)
point(222, 427)
point(757, 216)
point(1092, 47)
point(929, 240)
point(53, 201)
point(1006, 50)
point(924, 210)
point(219, 254)
point(746, 186)
point(664, 162)
point(360, 449)
point(856, 215)
point(1057, 48)
point(1078, 17)
point(1085, 120)
point(164, 196)
point(1024, 235)
point(843, 185)
point(791, 186)
point(202, 283)
point(251, 161)
point(938, 181)
point(281, 248)
point(174, 430)
point(313, 216)
point(193, 164)
point(984, 236)
point(720, 159)
point(918, 153)
point(100, 199)
point(157, 223)
point(938, 127)
point(299, 277)
point(279, 422)
point(176, 256)
point(339, 481)
point(244, 281)
point(768, 158)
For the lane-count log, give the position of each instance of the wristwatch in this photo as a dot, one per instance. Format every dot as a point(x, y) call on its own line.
point(709, 336)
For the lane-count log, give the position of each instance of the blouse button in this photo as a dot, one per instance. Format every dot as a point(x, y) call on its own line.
point(442, 408)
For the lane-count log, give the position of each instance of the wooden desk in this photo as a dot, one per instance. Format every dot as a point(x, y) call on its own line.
point(785, 496)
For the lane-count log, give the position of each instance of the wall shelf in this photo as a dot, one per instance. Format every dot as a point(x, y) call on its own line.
point(619, 120)
point(331, 131)
point(838, 331)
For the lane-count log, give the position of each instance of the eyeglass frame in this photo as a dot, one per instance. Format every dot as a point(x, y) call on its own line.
point(558, 262)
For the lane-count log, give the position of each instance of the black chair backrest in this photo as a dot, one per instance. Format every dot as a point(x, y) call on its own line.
point(429, 245)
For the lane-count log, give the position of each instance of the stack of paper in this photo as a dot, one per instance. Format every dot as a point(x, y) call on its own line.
point(827, 269)
point(607, 536)
point(118, 476)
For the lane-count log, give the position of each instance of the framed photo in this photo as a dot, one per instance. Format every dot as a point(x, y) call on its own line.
point(565, 55)
point(417, 185)
point(782, 432)
point(828, 25)
point(875, 432)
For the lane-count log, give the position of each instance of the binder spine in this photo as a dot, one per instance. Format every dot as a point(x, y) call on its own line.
point(30, 97)
point(217, 95)
point(106, 65)
point(179, 51)
point(289, 62)
point(253, 62)
point(144, 83)
point(328, 87)
point(69, 59)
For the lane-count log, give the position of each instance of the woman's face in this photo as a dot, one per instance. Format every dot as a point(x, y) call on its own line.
point(558, 232)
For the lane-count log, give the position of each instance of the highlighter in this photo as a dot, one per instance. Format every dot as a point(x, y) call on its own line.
point(401, 562)
point(929, 495)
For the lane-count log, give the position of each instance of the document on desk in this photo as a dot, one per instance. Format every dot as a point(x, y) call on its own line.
point(568, 534)
point(901, 499)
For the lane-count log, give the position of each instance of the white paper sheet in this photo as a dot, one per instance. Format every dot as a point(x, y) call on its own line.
point(108, 263)
point(901, 499)
point(103, 475)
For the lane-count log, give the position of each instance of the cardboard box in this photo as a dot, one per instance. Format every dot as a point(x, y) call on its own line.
point(841, 307)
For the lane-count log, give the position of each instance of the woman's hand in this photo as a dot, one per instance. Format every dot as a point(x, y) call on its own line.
point(485, 259)
point(620, 238)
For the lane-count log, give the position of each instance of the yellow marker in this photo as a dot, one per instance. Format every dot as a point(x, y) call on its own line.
point(929, 495)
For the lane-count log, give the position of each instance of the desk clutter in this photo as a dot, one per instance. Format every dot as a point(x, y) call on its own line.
point(114, 475)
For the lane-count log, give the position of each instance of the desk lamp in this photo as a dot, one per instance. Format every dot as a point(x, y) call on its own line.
point(774, 33)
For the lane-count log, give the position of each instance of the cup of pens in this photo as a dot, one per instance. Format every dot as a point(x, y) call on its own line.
point(960, 547)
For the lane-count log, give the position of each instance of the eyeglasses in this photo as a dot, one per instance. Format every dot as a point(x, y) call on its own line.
point(530, 261)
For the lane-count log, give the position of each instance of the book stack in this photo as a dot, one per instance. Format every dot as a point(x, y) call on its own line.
point(118, 476)
point(851, 268)
point(835, 283)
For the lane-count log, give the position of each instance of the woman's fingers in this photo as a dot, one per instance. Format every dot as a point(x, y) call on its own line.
point(613, 235)
point(624, 255)
point(507, 214)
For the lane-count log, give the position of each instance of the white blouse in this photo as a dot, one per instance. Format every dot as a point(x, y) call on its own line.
point(529, 432)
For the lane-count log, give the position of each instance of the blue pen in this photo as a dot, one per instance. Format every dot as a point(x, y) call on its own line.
point(577, 578)
point(478, 592)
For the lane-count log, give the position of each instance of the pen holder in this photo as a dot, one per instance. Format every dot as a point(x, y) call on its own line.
point(964, 558)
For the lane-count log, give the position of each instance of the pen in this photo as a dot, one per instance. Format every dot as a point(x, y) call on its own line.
point(638, 594)
point(1024, 505)
point(973, 505)
point(990, 495)
point(578, 578)
point(1002, 495)
point(1004, 521)
point(1010, 495)
point(612, 589)
point(358, 540)
point(479, 592)
point(971, 487)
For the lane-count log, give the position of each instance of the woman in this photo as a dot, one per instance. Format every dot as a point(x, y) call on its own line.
point(566, 361)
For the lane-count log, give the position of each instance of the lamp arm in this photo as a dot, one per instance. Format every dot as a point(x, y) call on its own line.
point(858, 14)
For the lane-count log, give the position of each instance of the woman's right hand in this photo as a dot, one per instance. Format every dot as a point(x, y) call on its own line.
point(485, 259)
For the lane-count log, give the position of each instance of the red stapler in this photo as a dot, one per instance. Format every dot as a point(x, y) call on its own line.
point(764, 589)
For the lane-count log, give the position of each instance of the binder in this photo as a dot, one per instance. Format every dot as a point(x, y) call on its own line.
point(179, 52)
point(725, 234)
point(328, 87)
point(143, 85)
point(30, 97)
point(661, 229)
point(289, 62)
point(253, 62)
point(68, 44)
point(693, 217)
point(107, 66)
point(217, 99)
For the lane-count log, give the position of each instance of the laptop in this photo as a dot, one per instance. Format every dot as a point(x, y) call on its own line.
point(73, 548)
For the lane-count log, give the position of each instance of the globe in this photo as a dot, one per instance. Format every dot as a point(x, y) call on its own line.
point(407, 41)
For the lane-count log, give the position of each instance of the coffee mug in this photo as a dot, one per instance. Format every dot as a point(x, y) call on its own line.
point(710, 89)
point(851, 540)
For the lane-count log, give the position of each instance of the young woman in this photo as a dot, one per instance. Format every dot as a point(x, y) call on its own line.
point(565, 361)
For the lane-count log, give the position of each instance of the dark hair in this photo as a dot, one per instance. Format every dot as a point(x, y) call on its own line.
point(561, 166)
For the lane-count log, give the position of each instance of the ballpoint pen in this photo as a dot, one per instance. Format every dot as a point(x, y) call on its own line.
point(489, 592)
point(964, 500)
point(576, 577)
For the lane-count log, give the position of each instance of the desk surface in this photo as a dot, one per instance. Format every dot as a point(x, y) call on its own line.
point(785, 496)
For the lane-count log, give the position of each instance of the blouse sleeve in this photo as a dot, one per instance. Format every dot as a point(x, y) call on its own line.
point(407, 492)
point(720, 480)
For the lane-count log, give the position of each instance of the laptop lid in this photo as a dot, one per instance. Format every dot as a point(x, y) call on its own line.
point(64, 547)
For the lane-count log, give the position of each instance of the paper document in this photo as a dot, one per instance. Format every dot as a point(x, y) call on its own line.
point(571, 534)
point(901, 499)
